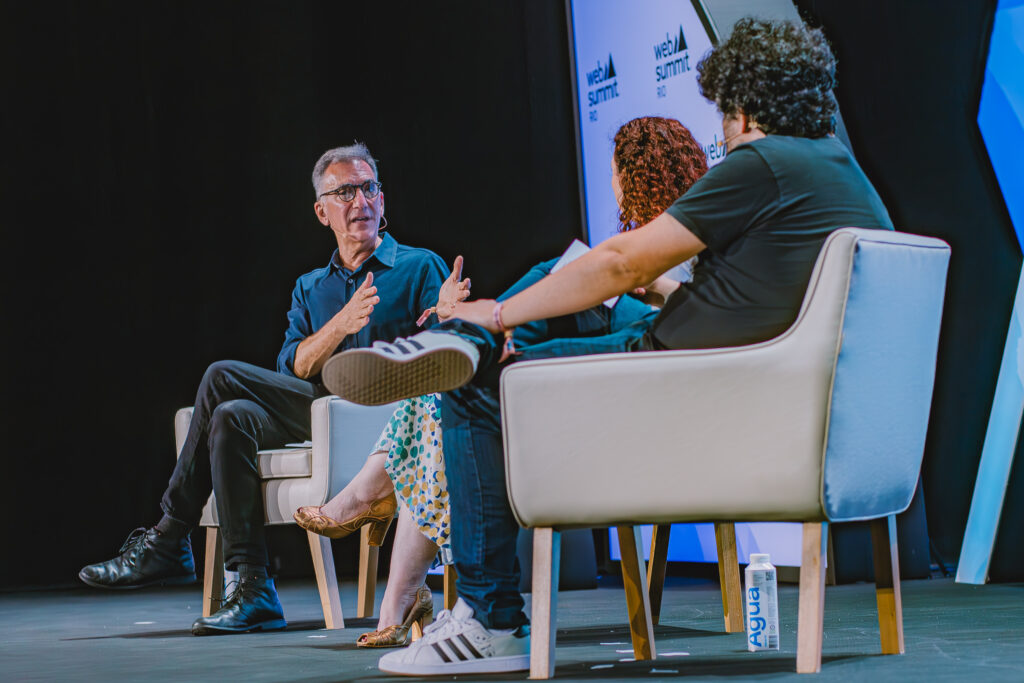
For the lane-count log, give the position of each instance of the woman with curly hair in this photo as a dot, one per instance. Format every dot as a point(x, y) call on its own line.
point(758, 220)
point(654, 161)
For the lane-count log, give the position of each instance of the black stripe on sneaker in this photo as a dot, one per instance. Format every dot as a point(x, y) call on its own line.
point(398, 345)
point(415, 344)
point(441, 653)
point(458, 653)
point(469, 646)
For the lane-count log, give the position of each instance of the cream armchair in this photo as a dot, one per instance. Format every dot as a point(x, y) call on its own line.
point(824, 423)
point(343, 435)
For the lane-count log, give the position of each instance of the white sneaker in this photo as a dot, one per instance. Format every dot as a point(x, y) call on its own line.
point(459, 644)
point(423, 364)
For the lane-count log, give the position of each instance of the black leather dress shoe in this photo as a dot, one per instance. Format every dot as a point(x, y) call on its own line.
point(145, 559)
point(252, 606)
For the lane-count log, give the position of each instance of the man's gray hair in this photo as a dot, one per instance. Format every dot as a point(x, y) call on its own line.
point(356, 150)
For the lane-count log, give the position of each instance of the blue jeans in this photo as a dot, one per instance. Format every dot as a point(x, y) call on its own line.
point(483, 528)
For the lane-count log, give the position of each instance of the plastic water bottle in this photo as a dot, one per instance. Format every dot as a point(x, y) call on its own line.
point(762, 604)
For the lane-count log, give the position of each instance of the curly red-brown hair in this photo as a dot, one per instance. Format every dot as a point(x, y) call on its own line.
point(658, 161)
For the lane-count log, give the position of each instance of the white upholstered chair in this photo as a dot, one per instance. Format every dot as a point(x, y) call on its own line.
point(343, 435)
point(823, 423)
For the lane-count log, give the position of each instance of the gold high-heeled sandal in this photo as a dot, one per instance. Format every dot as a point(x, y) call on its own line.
point(420, 614)
point(379, 517)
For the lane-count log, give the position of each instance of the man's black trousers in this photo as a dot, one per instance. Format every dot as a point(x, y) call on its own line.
point(239, 410)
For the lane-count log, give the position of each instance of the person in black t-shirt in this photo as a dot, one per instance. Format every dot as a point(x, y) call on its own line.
point(758, 221)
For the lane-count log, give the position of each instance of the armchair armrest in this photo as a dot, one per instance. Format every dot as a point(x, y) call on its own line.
point(182, 418)
point(343, 436)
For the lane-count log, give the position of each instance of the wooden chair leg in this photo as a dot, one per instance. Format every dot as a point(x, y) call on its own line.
point(326, 580)
point(547, 555)
point(213, 572)
point(729, 577)
point(367, 587)
point(638, 603)
point(450, 595)
point(887, 584)
point(830, 568)
point(812, 598)
point(656, 568)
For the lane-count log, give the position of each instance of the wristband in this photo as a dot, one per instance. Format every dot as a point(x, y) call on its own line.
point(508, 348)
point(426, 314)
point(497, 317)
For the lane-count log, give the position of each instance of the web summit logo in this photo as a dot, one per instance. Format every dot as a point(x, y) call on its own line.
point(672, 55)
point(598, 82)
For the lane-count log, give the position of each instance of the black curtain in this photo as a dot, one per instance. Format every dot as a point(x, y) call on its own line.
point(157, 208)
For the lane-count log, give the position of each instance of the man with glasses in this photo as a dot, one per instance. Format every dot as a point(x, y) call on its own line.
point(372, 288)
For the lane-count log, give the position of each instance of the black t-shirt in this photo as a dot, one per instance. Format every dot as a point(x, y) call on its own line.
point(763, 213)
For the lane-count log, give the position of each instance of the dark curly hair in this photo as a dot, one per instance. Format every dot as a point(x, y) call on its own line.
point(779, 74)
point(658, 160)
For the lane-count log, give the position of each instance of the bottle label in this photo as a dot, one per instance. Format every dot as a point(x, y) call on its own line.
point(762, 611)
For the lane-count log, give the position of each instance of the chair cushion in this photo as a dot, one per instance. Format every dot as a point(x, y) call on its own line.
point(285, 463)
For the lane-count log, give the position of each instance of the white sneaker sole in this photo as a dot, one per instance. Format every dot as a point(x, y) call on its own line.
point(371, 378)
point(487, 665)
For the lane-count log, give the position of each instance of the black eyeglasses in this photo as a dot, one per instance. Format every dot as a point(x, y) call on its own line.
point(346, 193)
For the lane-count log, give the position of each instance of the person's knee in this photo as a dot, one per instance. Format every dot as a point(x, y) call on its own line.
point(220, 373)
point(231, 416)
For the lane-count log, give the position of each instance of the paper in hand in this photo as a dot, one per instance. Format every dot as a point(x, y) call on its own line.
point(575, 250)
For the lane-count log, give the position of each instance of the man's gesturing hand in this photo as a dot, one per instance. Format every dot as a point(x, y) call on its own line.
point(452, 291)
point(356, 313)
point(314, 350)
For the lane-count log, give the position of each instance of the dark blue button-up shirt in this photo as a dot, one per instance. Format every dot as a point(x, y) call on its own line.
point(407, 281)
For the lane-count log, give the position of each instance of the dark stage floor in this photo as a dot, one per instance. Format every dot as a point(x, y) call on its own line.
point(953, 633)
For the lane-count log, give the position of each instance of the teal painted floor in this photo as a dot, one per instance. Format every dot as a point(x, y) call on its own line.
point(953, 633)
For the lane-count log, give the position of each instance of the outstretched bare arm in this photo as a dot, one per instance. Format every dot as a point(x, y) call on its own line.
point(618, 265)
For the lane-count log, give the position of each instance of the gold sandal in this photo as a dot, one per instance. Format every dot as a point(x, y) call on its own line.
point(379, 517)
point(420, 614)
